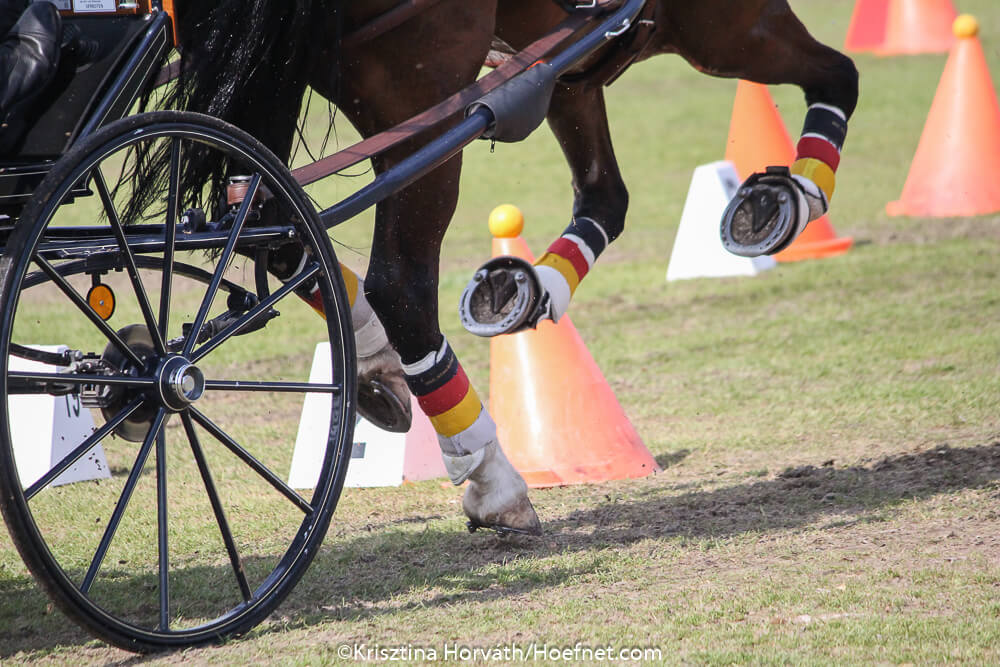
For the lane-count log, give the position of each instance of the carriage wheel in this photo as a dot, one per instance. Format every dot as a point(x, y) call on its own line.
point(174, 366)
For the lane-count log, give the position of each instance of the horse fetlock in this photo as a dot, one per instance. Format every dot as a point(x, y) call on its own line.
point(769, 210)
point(505, 295)
point(497, 496)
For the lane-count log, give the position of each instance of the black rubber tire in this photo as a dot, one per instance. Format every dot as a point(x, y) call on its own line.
point(59, 574)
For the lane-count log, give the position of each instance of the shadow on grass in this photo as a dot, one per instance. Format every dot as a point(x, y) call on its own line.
point(354, 577)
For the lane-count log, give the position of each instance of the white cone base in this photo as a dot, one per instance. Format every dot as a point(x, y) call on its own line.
point(46, 428)
point(698, 250)
point(378, 458)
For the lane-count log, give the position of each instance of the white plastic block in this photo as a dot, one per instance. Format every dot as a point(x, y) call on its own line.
point(698, 251)
point(46, 428)
point(378, 458)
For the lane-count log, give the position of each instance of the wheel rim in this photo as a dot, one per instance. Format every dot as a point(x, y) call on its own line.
point(196, 535)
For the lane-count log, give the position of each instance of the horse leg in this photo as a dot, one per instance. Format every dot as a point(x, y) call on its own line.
point(383, 397)
point(402, 284)
point(494, 302)
point(402, 279)
point(765, 42)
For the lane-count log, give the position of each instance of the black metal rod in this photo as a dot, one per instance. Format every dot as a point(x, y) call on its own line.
point(220, 269)
point(254, 312)
point(82, 449)
point(85, 308)
point(251, 461)
point(67, 246)
point(80, 378)
point(425, 160)
point(152, 41)
point(133, 271)
point(217, 509)
point(123, 499)
point(615, 25)
point(60, 359)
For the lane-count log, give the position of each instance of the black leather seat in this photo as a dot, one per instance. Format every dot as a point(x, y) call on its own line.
point(29, 59)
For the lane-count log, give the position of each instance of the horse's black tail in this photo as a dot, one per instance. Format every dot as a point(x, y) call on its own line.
point(241, 61)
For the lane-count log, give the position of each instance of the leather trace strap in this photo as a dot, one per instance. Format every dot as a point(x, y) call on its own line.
point(383, 141)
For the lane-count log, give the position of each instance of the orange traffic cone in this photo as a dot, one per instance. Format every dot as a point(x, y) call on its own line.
point(557, 418)
point(954, 172)
point(868, 26)
point(758, 139)
point(918, 26)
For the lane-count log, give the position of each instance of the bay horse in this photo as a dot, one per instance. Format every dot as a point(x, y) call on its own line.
point(249, 62)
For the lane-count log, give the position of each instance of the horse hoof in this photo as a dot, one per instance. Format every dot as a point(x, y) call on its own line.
point(519, 519)
point(497, 497)
point(505, 296)
point(383, 396)
point(766, 215)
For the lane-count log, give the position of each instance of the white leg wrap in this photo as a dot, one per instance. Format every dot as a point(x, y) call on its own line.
point(369, 336)
point(481, 434)
point(814, 198)
point(460, 467)
point(557, 287)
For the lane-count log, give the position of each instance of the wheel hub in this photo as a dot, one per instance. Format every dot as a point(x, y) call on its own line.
point(181, 383)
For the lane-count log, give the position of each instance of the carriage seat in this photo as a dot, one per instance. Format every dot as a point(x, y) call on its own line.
point(29, 59)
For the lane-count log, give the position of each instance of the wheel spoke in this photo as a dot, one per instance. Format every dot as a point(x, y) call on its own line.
point(161, 528)
point(213, 287)
point(82, 449)
point(249, 459)
point(123, 500)
point(170, 236)
point(254, 312)
point(241, 385)
point(217, 509)
point(131, 268)
point(85, 308)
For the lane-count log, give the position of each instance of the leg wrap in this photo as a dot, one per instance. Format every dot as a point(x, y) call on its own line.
point(568, 260)
point(443, 391)
point(818, 153)
point(369, 335)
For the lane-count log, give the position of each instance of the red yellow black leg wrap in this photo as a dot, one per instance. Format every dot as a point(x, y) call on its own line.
point(445, 395)
point(818, 151)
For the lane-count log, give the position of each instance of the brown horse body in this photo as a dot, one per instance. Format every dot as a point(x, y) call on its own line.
point(437, 52)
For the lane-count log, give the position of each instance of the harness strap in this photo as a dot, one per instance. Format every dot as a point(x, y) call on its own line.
point(383, 141)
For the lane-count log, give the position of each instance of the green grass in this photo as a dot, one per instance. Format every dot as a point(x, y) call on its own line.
point(829, 430)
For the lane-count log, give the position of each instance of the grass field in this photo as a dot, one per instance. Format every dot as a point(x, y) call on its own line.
point(829, 431)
